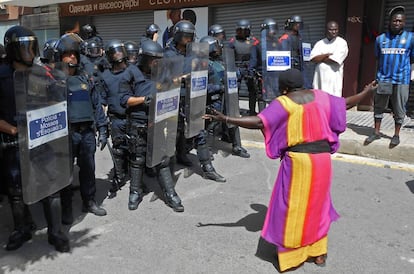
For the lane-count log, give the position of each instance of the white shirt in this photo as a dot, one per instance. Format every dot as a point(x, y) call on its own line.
point(329, 77)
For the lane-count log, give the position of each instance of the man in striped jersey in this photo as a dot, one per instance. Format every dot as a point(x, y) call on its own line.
point(395, 53)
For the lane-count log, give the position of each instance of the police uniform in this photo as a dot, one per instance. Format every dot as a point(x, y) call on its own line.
point(200, 141)
point(242, 49)
point(137, 141)
point(118, 121)
point(85, 113)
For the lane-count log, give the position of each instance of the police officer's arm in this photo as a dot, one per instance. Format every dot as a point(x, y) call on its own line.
point(100, 117)
point(7, 128)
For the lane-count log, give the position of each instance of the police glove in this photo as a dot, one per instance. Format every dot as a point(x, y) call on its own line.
point(148, 100)
point(103, 137)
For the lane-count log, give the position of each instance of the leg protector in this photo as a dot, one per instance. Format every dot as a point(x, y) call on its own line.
point(136, 182)
point(52, 210)
point(237, 148)
point(205, 160)
point(167, 185)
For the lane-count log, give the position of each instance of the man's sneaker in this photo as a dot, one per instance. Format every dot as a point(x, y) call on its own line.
point(372, 138)
point(395, 141)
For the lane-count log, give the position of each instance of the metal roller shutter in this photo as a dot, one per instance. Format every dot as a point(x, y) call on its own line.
point(125, 26)
point(313, 14)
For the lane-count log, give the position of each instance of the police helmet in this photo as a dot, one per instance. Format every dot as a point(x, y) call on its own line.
point(132, 50)
point(116, 52)
point(213, 45)
point(49, 50)
point(151, 29)
point(151, 48)
point(69, 42)
point(268, 23)
point(93, 47)
point(243, 24)
point(215, 30)
point(182, 29)
point(296, 19)
point(88, 31)
point(21, 45)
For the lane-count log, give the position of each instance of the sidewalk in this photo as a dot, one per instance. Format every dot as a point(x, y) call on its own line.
point(360, 126)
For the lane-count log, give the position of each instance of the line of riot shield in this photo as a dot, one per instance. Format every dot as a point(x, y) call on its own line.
point(196, 88)
point(270, 75)
point(163, 110)
point(231, 95)
point(45, 159)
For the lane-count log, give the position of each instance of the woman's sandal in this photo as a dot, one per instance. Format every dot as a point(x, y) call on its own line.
point(321, 260)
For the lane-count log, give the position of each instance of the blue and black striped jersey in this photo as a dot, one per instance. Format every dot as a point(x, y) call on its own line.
point(394, 53)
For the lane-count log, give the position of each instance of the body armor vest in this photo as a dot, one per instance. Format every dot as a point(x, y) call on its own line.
point(242, 50)
point(112, 83)
point(80, 107)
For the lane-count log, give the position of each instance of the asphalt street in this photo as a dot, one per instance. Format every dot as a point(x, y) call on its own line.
point(219, 232)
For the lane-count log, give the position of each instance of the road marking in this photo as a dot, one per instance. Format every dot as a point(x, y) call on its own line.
point(350, 159)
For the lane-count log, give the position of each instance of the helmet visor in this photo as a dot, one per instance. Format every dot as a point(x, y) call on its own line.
point(95, 52)
point(27, 49)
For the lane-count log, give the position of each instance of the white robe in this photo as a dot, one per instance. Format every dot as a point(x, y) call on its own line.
point(329, 77)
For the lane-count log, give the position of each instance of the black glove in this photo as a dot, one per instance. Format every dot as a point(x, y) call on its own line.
point(148, 100)
point(103, 137)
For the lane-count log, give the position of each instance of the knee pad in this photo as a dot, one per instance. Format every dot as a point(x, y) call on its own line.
point(138, 161)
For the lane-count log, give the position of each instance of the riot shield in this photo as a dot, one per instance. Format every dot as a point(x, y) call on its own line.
point(273, 61)
point(196, 89)
point(163, 109)
point(42, 124)
point(231, 95)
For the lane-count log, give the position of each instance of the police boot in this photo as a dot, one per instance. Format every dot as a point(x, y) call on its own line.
point(237, 150)
point(120, 178)
point(167, 185)
point(135, 187)
point(92, 207)
point(22, 229)
point(208, 170)
point(181, 154)
point(52, 210)
point(66, 202)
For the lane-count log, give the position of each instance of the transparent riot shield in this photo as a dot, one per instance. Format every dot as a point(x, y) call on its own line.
point(163, 109)
point(42, 124)
point(231, 95)
point(273, 61)
point(196, 89)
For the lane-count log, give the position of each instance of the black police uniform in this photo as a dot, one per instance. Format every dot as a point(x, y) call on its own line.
point(23, 223)
point(137, 140)
point(200, 141)
point(118, 121)
point(215, 91)
point(85, 115)
point(242, 50)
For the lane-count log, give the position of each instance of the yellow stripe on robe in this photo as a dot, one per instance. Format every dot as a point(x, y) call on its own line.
point(294, 130)
point(293, 258)
point(300, 187)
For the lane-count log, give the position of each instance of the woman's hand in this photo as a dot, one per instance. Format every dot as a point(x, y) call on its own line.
point(214, 115)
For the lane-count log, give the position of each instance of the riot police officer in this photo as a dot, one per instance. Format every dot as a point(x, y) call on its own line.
point(269, 42)
point(217, 31)
point(94, 61)
point(242, 43)
point(291, 41)
point(136, 98)
point(184, 32)
point(215, 92)
point(22, 48)
point(132, 50)
point(89, 31)
point(85, 115)
point(49, 51)
point(151, 33)
point(117, 57)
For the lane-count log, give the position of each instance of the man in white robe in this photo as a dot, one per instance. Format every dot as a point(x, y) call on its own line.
point(329, 55)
